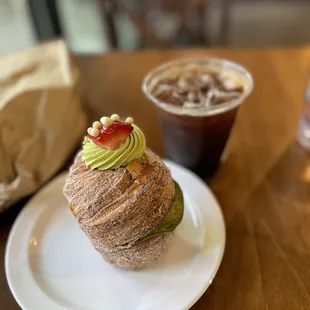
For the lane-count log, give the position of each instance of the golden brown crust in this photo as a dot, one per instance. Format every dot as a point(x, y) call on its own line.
point(115, 208)
point(140, 255)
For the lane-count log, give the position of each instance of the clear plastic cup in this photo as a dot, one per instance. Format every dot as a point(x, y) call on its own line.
point(303, 135)
point(195, 136)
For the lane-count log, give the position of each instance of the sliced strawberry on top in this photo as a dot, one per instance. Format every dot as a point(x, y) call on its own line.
point(111, 137)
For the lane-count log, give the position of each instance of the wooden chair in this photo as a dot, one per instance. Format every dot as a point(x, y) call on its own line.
point(189, 12)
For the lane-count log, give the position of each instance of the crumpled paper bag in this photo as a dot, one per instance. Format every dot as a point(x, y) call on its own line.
point(41, 119)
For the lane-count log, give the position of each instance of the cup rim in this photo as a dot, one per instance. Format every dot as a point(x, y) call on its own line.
point(214, 110)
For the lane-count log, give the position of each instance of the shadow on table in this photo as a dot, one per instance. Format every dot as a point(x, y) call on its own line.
point(8, 216)
point(268, 247)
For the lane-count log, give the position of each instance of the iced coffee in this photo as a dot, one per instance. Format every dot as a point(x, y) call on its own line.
point(197, 101)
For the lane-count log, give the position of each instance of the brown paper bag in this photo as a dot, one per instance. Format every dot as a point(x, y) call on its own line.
point(41, 119)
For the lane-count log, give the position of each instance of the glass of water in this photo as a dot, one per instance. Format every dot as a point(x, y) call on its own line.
point(303, 135)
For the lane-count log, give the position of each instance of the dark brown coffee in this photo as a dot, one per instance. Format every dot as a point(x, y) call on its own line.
point(197, 101)
point(196, 142)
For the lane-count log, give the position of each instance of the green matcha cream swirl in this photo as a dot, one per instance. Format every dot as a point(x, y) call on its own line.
point(96, 157)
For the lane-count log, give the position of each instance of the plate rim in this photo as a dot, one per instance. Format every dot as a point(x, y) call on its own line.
point(223, 227)
point(62, 175)
point(12, 233)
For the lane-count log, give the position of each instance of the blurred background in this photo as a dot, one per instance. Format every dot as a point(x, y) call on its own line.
point(95, 26)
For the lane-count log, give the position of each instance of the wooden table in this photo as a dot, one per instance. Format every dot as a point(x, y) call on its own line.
point(263, 188)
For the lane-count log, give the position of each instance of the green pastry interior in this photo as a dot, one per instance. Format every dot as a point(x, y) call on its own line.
point(172, 218)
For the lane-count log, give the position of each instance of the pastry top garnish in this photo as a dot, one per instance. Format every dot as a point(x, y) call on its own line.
point(112, 143)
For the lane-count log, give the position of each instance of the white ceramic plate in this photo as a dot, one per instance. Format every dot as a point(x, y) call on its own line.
point(51, 265)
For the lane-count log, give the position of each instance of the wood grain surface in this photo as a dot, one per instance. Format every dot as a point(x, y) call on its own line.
point(263, 188)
